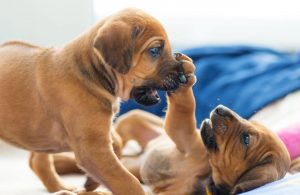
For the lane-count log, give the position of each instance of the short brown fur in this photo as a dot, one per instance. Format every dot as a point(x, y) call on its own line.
point(55, 100)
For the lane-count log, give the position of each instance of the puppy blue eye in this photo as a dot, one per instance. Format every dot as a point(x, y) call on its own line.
point(155, 51)
point(245, 138)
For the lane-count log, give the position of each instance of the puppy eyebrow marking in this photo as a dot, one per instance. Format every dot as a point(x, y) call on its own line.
point(157, 40)
point(161, 43)
point(103, 78)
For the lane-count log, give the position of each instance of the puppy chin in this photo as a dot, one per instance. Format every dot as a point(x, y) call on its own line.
point(145, 96)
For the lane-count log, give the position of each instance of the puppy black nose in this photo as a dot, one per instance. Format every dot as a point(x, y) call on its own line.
point(221, 110)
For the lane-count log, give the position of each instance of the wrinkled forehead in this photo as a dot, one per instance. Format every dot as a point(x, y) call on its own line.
point(140, 19)
point(145, 28)
point(151, 31)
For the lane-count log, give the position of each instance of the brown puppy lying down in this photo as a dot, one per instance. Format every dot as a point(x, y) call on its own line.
point(56, 100)
point(231, 155)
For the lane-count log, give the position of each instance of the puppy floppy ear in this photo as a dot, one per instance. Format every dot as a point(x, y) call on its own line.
point(115, 41)
point(263, 173)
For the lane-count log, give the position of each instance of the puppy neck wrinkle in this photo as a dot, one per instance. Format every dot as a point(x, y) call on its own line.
point(95, 71)
point(103, 77)
point(93, 66)
point(90, 66)
point(123, 88)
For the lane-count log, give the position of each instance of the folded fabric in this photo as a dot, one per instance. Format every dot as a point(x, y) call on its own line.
point(242, 78)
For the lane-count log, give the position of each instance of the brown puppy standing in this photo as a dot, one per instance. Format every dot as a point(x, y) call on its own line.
point(55, 100)
point(238, 155)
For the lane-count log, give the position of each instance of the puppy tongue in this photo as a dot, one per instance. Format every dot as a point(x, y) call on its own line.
point(153, 95)
point(153, 92)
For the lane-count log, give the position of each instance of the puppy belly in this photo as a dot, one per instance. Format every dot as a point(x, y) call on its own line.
point(164, 171)
point(158, 165)
point(39, 145)
point(45, 138)
point(155, 169)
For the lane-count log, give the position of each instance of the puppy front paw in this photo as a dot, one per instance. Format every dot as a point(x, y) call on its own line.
point(180, 57)
point(187, 76)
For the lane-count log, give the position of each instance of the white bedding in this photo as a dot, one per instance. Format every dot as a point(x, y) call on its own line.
point(280, 114)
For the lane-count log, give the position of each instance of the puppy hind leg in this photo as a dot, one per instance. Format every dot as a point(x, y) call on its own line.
point(65, 163)
point(140, 126)
point(133, 165)
point(43, 166)
point(295, 166)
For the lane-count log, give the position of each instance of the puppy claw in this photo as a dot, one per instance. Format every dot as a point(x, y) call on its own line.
point(182, 78)
point(181, 57)
point(177, 55)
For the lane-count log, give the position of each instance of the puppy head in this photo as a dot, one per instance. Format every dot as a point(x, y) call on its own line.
point(243, 155)
point(136, 46)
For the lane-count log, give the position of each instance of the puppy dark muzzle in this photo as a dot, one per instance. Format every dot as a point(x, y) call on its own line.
point(220, 117)
point(207, 135)
point(222, 111)
point(173, 82)
point(171, 76)
point(147, 94)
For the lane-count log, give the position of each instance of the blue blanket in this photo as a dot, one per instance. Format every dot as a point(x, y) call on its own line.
point(242, 78)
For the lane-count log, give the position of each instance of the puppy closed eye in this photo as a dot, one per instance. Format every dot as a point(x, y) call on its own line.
point(245, 139)
point(155, 51)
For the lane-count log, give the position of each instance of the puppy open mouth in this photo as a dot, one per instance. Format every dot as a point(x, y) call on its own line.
point(147, 95)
